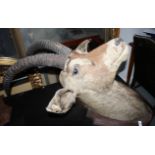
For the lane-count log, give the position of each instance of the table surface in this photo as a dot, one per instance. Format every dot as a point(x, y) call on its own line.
point(28, 109)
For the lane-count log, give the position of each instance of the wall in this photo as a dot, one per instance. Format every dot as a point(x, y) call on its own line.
point(7, 48)
point(128, 33)
point(58, 34)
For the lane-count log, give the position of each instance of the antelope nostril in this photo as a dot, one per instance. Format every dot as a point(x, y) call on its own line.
point(118, 41)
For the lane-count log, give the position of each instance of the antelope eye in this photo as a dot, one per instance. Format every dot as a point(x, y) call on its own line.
point(75, 71)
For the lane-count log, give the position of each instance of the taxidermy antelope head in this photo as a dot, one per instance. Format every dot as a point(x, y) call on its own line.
point(89, 76)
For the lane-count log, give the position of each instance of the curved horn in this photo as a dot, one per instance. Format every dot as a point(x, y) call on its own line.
point(50, 60)
point(48, 45)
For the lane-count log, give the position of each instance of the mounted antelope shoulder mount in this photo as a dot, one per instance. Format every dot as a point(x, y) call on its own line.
point(89, 76)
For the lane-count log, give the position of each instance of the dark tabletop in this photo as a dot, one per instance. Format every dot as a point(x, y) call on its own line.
point(29, 109)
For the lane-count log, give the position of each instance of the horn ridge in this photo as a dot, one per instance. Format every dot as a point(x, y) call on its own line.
point(48, 46)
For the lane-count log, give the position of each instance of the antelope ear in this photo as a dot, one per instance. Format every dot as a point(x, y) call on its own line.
point(83, 47)
point(62, 101)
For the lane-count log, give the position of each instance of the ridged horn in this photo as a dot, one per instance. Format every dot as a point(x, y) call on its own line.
point(48, 46)
point(50, 60)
